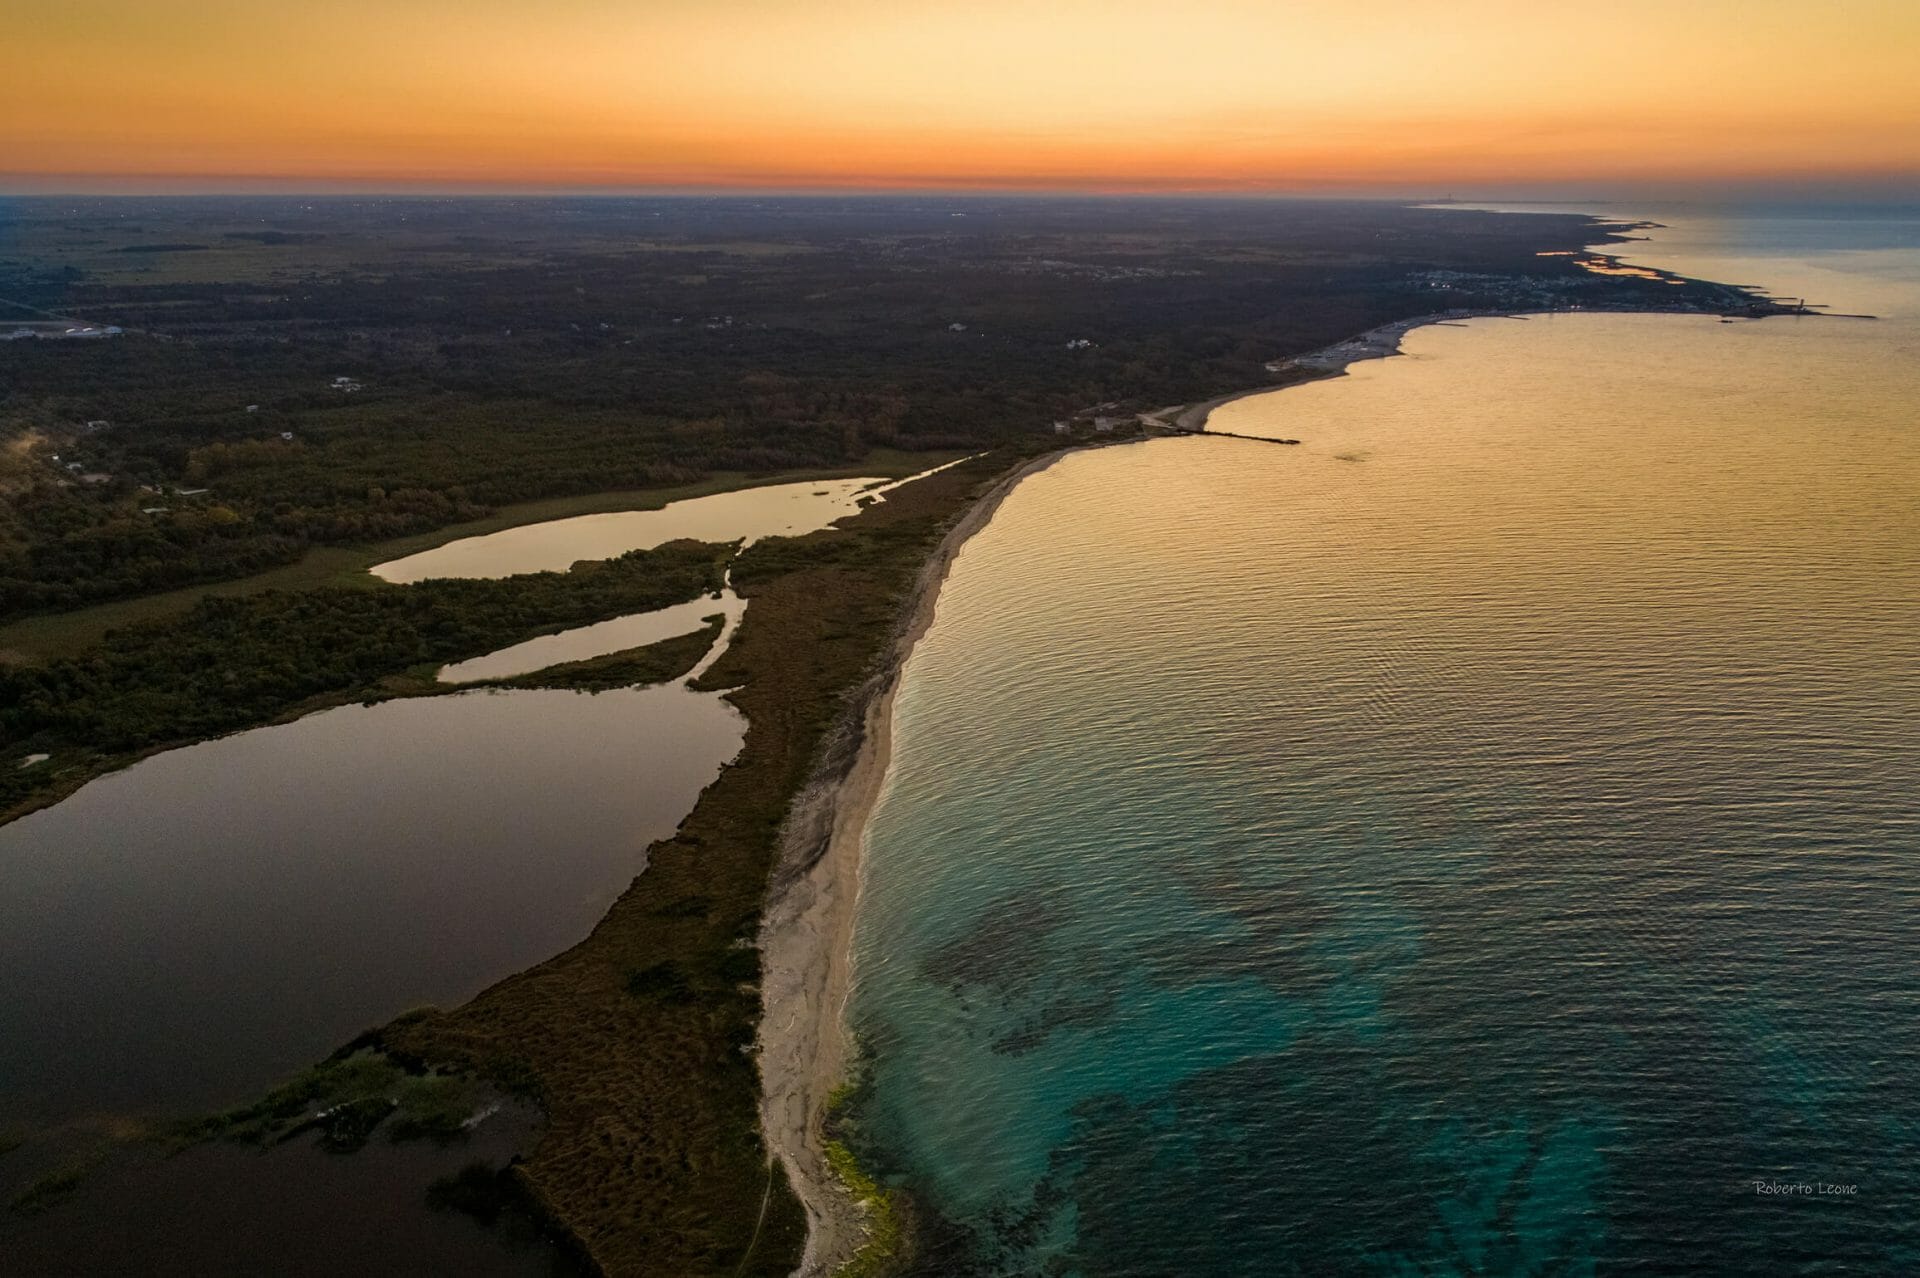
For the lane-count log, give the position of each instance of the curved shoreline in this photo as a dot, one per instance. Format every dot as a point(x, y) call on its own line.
point(1379, 342)
point(807, 928)
point(1383, 342)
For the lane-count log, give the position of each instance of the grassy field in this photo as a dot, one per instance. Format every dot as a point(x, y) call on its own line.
point(637, 1040)
point(61, 634)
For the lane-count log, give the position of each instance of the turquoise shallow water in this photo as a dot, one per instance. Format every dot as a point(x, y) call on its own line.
point(1480, 840)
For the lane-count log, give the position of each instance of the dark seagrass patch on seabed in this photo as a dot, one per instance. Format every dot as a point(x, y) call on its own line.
point(1003, 949)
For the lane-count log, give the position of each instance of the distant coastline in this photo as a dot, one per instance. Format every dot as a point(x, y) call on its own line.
point(1328, 361)
point(1385, 341)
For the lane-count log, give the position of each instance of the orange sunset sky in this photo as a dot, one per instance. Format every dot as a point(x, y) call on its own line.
point(1125, 94)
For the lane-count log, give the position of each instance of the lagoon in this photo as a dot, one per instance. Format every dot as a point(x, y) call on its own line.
point(772, 510)
point(178, 936)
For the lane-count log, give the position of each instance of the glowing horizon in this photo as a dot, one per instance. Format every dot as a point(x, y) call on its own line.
point(1209, 95)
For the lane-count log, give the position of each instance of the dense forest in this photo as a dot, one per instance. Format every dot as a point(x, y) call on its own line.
point(294, 373)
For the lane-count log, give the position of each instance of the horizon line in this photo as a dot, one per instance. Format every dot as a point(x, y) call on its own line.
point(75, 186)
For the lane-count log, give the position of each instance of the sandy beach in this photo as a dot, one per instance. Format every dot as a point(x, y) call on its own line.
point(806, 934)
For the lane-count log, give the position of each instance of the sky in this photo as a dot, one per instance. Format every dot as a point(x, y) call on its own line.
point(1401, 96)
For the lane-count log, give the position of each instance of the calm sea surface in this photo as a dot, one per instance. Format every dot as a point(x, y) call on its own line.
point(1484, 839)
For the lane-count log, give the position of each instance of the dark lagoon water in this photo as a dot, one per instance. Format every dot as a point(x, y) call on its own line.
point(178, 936)
point(1484, 839)
point(183, 934)
point(229, 1211)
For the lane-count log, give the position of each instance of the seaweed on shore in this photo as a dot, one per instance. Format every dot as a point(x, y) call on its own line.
point(886, 1244)
point(886, 1233)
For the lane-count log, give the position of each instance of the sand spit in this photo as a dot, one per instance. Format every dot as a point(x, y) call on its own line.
point(806, 933)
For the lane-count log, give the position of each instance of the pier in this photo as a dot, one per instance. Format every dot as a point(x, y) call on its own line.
point(1227, 434)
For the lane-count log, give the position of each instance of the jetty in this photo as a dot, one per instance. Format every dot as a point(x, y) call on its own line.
point(1227, 434)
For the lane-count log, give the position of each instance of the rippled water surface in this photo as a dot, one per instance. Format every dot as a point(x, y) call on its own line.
point(1482, 839)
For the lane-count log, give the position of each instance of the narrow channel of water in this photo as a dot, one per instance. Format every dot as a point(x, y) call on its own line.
point(617, 635)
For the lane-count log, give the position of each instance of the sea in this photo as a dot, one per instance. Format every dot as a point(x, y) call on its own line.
point(1483, 839)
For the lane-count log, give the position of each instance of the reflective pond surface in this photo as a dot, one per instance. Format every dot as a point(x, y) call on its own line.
point(773, 510)
point(180, 934)
point(635, 631)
